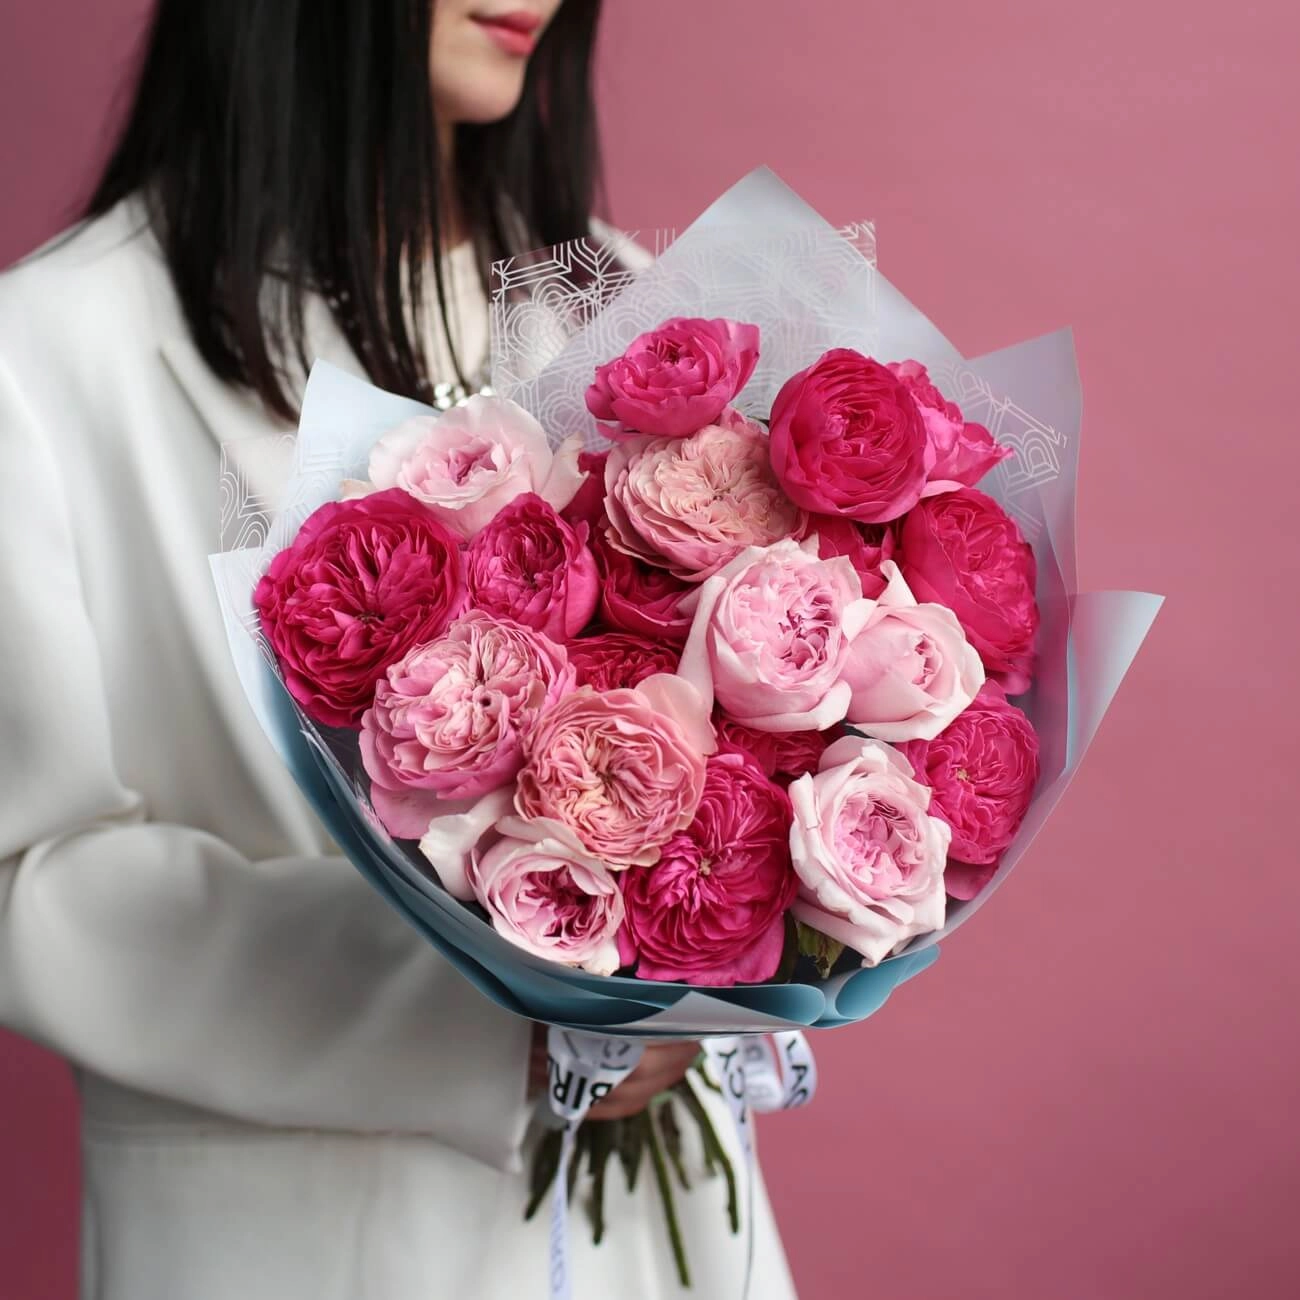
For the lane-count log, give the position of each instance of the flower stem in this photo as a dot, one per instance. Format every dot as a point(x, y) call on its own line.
point(666, 1196)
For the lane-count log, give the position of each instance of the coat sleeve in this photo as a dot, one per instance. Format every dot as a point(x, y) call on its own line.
point(281, 992)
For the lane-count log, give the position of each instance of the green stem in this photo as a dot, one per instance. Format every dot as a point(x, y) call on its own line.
point(546, 1164)
point(713, 1146)
point(666, 1196)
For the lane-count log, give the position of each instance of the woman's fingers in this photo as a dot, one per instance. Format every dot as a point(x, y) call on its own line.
point(661, 1066)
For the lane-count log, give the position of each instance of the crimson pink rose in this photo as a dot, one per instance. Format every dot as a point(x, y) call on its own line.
point(712, 910)
point(672, 381)
point(588, 504)
point(528, 564)
point(983, 769)
point(783, 755)
point(963, 452)
point(847, 439)
point(962, 550)
point(609, 660)
point(636, 598)
point(866, 546)
point(362, 582)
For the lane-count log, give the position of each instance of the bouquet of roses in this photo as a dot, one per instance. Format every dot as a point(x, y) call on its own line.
point(699, 678)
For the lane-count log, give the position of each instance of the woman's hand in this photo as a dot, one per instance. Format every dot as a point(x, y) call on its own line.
point(661, 1066)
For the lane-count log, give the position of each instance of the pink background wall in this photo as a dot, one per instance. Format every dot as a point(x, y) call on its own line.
point(1094, 1094)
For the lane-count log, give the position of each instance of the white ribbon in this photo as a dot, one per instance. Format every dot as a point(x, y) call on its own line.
point(762, 1074)
point(757, 1074)
point(581, 1069)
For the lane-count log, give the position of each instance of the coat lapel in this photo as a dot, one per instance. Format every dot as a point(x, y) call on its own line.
point(256, 447)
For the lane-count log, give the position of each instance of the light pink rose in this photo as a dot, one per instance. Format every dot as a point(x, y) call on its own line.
point(674, 380)
point(549, 898)
point(771, 637)
point(467, 463)
point(963, 452)
point(451, 718)
point(868, 854)
point(690, 505)
point(911, 668)
point(622, 769)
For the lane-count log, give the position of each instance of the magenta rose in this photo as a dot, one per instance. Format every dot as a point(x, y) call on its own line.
point(623, 769)
point(983, 769)
point(637, 598)
point(691, 504)
point(783, 755)
point(963, 452)
point(865, 546)
point(847, 439)
point(674, 380)
point(548, 897)
point(962, 550)
point(609, 660)
point(528, 564)
point(362, 582)
point(712, 910)
point(588, 505)
point(450, 719)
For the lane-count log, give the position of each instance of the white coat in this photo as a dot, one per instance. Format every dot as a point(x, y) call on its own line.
point(286, 1095)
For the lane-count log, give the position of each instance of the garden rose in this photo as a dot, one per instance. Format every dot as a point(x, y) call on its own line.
point(771, 636)
point(361, 583)
point(588, 504)
point(963, 452)
point(911, 668)
point(782, 755)
point(847, 439)
point(865, 546)
point(712, 910)
point(467, 463)
point(623, 770)
point(868, 854)
point(983, 769)
point(636, 598)
point(609, 660)
point(674, 380)
point(548, 897)
point(691, 504)
point(451, 718)
point(962, 550)
point(528, 564)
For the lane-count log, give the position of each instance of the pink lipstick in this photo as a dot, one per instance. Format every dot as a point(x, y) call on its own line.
point(515, 33)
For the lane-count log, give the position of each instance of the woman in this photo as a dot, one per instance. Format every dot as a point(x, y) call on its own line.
point(285, 1092)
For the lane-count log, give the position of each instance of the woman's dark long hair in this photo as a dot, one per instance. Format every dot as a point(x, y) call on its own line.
point(286, 147)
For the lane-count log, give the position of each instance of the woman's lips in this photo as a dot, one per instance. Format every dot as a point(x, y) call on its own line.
point(514, 32)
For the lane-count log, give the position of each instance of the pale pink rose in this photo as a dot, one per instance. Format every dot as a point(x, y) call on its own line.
point(675, 379)
point(963, 452)
point(467, 463)
point(692, 504)
point(623, 769)
point(450, 719)
point(770, 637)
point(868, 854)
point(911, 668)
point(548, 897)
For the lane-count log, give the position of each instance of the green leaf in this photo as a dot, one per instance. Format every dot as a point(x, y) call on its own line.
point(824, 950)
